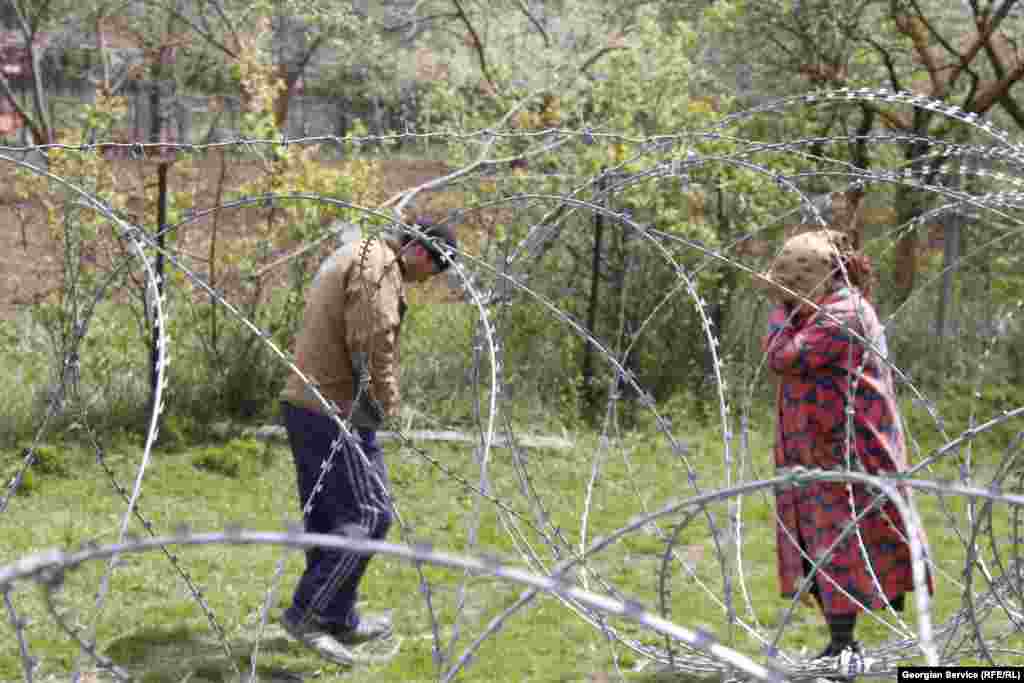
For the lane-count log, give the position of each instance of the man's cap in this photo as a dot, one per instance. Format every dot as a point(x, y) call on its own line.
point(440, 242)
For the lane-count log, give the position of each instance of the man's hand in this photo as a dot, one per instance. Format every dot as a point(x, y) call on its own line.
point(366, 411)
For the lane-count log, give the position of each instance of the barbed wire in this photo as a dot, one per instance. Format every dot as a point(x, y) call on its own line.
point(492, 285)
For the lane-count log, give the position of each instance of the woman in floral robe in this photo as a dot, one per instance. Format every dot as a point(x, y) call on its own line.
point(823, 363)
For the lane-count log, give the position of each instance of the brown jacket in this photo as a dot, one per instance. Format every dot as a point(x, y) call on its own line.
point(355, 303)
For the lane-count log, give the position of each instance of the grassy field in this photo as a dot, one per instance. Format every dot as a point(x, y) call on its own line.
point(155, 629)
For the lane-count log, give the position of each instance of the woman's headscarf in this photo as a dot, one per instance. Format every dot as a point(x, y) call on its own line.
point(808, 263)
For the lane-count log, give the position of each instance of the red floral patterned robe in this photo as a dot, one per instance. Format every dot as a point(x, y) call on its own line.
point(816, 360)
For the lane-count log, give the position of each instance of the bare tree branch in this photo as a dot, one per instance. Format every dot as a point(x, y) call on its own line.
point(996, 90)
point(594, 58)
point(890, 64)
point(19, 14)
point(395, 28)
point(32, 124)
point(963, 59)
point(536, 23)
point(41, 127)
point(199, 31)
point(913, 27)
point(477, 43)
point(921, 31)
point(1013, 109)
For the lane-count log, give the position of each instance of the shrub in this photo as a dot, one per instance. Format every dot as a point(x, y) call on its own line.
point(49, 461)
point(173, 434)
point(25, 364)
point(436, 357)
point(239, 458)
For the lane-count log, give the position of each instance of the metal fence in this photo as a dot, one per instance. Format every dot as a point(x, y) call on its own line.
point(204, 118)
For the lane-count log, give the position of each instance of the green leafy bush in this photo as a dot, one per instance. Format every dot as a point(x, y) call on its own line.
point(239, 458)
point(49, 462)
point(176, 432)
point(24, 363)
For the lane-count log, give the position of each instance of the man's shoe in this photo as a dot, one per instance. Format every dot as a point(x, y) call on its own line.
point(317, 638)
point(831, 650)
point(847, 659)
point(370, 627)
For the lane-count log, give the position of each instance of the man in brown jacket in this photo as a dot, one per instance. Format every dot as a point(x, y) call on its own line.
point(348, 346)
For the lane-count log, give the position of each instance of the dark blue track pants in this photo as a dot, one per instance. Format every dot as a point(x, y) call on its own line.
point(352, 502)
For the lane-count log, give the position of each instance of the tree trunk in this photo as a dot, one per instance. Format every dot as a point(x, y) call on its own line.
point(717, 308)
point(155, 349)
point(158, 121)
point(950, 257)
point(908, 208)
point(378, 116)
point(42, 103)
point(587, 369)
point(846, 215)
point(283, 101)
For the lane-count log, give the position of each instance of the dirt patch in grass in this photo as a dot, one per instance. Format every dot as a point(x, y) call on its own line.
point(31, 254)
point(29, 259)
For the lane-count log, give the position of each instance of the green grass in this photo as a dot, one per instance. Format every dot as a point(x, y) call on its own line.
point(154, 628)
